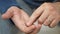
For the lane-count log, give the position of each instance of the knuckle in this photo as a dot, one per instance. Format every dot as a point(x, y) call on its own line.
point(15, 9)
point(46, 23)
point(45, 3)
point(51, 8)
point(36, 14)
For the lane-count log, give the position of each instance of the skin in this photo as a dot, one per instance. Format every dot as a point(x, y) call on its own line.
point(19, 17)
point(47, 14)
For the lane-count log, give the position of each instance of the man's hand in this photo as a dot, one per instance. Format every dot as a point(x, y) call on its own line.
point(19, 17)
point(47, 14)
point(36, 30)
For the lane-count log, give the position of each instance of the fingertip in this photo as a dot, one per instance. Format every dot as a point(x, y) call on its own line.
point(4, 16)
point(33, 26)
point(28, 24)
point(52, 26)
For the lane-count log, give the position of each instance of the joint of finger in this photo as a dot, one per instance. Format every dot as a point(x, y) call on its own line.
point(40, 21)
point(46, 23)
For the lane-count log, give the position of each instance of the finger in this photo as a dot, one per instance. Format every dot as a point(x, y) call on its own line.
point(10, 12)
point(29, 29)
point(19, 21)
point(54, 23)
point(25, 15)
point(43, 17)
point(35, 15)
point(49, 20)
point(7, 15)
point(36, 30)
point(38, 27)
point(21, 24)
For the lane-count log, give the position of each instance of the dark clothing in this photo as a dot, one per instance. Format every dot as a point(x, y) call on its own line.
point(36, 3)
point(5, 4)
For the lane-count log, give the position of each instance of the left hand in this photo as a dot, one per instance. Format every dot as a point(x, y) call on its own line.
point(47, 14)
point(19, 17)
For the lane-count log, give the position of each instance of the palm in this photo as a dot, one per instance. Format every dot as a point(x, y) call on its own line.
point(20, 19)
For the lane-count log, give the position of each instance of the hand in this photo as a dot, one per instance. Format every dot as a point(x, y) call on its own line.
point(47, 14)
point(36, 30)
point(19, 17)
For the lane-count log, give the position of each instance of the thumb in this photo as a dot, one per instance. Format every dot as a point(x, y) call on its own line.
point(7, 15)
